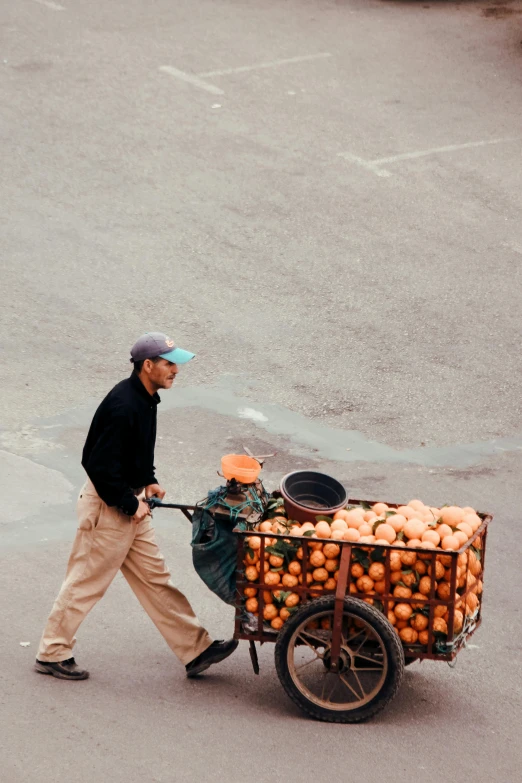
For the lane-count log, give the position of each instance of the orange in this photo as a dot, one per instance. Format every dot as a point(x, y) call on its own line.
point(380, 508)
point(472, 603)
point(351, 535)
point(439, 611)
point(309, 579)
point(458, 621)
point(409, 579)
point(316, 546)
point(466, 528)
point(317, 559)
point(331, 565)
point(395, 577)
point(296, 531)
point(252, 605)
point(427, 545)
point(292, 600)
point(444, 591)
point(271, 578)
point(340, 514)
point(424, 637)
point(331, 550)
point(268, 597)
point(397, 521)
point(425, 585)
point(452, 515)
point(365, 584)
point(320, 575)
point(414, 528)
point(440, 625)
point(399, 543)
point(370, 516)
point(444, 530)
point(460, 536)
point(251, 574)
point(266, 526)
point(330, 584)
point(403, 611)
point(420, 567)
point(251, 559)
point(276, 561)
point(356, 570)
point(339, 533)
point(339, 524)
point(445, 560)
point(376, 571)
point(473, 520)
point(289, 580)
point(284, 614)
point(277, 623)
point(381, 542)
point(431, 535)
point(354, 517)
point(399, 591)
point(367, 540)
point(294, 568)
point(451, 542)
point(400, 624)
point(409, 635)
point(266, 566)
point(415, 543)
point(380, 586)
point(323, 530)
point(423, 600)
point(408, 558)
point(250, 592)
point(270, 612)
point(254, 542)
point(395, 561)
point(307, 526)
point(417, 505)
point(406, 511)
point(385, 533)
point(439, 571)
point(420, 622)
point(365, 530)
point(475, 565)
point(391, 617)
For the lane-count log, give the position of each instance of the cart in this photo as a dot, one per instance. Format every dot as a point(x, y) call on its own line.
point(338, 656)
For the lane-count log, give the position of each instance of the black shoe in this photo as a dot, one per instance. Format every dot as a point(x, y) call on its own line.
point(63, 670)
point(217, 652)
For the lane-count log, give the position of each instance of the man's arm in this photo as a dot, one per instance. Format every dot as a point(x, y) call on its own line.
point(104, 465)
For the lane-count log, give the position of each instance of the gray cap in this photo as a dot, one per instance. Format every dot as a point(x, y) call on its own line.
point(154, 344)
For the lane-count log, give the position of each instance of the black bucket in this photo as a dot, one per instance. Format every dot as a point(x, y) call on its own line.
point(307, 493)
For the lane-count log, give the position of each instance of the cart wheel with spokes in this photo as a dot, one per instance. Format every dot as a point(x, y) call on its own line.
point(371, 661)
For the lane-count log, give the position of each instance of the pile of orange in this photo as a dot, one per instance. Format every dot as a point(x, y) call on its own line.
point(369, 529)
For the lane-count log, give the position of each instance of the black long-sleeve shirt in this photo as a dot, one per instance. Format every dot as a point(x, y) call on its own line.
point(118, 455)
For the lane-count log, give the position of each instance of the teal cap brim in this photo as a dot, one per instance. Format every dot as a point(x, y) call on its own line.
point(178, 356)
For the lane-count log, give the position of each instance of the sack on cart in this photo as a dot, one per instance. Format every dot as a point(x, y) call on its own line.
point(214, 554)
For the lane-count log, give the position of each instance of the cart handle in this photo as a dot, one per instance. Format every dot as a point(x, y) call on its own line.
point(154, 502)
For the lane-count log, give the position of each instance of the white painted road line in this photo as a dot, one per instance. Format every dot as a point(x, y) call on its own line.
point(191, 79)
point(366, 164)
point(375, 166)
point(50, 4)
point(437, 150)
point(273, 64)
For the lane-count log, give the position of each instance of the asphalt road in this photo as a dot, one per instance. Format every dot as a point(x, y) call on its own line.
point(322, 200)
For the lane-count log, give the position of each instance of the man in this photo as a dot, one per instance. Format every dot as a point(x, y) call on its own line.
point(115, 530)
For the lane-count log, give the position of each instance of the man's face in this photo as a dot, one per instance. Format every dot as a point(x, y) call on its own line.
point(162, 373)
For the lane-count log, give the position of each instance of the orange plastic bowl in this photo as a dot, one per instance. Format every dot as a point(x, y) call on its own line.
point(240, 467)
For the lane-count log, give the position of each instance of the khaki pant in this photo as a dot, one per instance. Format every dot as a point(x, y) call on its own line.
point(107, 541)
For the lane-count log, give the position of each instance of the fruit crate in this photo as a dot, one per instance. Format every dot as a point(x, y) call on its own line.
point(446, 609)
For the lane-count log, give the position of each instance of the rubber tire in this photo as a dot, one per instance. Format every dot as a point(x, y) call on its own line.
point(391, 643)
